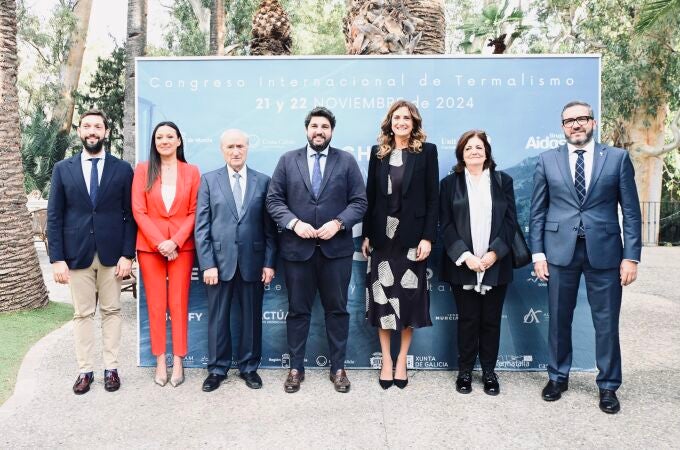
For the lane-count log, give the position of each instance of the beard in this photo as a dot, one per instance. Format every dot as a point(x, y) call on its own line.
point(92, 148)
point(319, 147)
point(585, 140)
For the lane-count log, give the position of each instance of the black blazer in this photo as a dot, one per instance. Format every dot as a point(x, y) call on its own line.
point(419, 198)
point(454, 220)
point(76, 228)
point(342, 196)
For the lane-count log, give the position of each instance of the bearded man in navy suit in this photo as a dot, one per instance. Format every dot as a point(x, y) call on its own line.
point(574, 227)
point(316, 196)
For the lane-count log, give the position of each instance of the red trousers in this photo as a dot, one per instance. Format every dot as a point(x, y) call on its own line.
point(166, 284)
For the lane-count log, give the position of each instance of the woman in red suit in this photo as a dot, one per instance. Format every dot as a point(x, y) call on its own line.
point(164, 192)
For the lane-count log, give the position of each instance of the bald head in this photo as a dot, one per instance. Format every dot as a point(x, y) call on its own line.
point(234, 146)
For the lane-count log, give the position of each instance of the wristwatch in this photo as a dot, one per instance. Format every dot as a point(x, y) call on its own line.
point(342, 225)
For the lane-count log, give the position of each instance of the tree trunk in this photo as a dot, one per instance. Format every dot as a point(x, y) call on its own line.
point(433, 40)
point(135, 45)
point(271, 30)
point(70, 69)
point(203, 16)
point(21, 282)
point(217, 28)
point(382, 27)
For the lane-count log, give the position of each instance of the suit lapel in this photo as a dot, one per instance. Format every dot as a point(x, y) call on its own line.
point(462, 218)
point(250, 190)
point(301, 160)
point(76, 170)
point(179, 188)
point(384, 173)
point(599, 158)
point(330, 165)
point(562, 156)
point(408, 170)
point(225, 187)
point(497, 211)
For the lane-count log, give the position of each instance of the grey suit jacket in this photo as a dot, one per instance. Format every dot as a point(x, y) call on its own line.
point(556, 210)
point(227, 242)
point(342, 196)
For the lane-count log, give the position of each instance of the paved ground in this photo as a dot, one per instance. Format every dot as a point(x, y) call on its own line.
point(428, 413)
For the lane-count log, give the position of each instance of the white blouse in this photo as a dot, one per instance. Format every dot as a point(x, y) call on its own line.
point(479, 200)
point(168, 193)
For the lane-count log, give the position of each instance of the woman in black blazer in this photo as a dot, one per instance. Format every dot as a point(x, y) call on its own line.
point(399, 228)
point(478, 222)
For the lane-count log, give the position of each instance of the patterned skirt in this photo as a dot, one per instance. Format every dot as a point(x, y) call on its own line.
point(397, 294)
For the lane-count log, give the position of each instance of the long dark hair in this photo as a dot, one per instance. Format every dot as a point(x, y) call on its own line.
point(489, 163)
point(155, 158)
point(386, 138)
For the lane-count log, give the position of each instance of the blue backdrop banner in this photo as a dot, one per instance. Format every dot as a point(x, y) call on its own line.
point(516, 100)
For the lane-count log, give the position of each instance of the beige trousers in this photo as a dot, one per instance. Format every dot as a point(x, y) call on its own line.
point(85, 284)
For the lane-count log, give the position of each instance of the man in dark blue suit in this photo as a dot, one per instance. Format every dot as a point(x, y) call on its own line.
point(91, 235)
point(316, 195)
point(578, 188)
point(236, 246)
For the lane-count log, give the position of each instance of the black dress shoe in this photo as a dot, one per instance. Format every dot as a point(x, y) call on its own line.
point(83, 382)
point(253, 380)
point(608, 401)
point(385, 384)
point(111, 380)
point(213, 381)
point(464, 382)
point(401, 384)
point(490, 380)
point(553, 390)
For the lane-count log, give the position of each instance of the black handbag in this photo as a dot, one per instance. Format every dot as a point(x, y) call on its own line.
point(521, 256)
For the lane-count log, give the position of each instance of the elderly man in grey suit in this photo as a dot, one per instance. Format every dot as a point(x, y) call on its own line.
point(316, 196)
point(236, 247)
point(575, 230)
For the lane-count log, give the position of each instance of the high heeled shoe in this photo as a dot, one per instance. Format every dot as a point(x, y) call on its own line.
point(177, 381)
point(160, 381)
point(401, 384)
point(385, 384)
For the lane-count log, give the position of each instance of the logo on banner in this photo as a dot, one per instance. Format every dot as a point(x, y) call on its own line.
point(321, 361)
point(545, 142)
point(274, 317)
point(449, 316)
point(425, 362)
point(375, 361)
point(532, 316)
point(285, 361)
point(514, 361)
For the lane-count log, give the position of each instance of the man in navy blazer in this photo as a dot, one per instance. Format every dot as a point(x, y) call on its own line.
point(91, 235)
point(236, 246)
point(316, 195)
point(574, 230)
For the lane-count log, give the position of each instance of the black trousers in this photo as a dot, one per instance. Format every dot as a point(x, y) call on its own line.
point(479, 326)
point(330, 276)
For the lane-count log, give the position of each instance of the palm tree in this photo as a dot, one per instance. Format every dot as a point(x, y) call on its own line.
point(394, 26)
point(271, 30)
point(21, 283)
point(135, 45)
point(217, 27)
point(654, 11)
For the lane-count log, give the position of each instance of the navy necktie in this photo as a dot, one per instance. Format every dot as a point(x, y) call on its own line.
point(580, 184)
point(316, 174)
point(94, 180)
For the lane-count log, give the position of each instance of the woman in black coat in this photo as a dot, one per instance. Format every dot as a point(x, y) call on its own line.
point(478, 221)
point(399, 228)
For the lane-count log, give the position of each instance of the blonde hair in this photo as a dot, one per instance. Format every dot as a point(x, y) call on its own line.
point(386, 141)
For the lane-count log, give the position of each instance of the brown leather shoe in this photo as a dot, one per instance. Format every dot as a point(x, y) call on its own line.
point(292, 384)
point(83, 382)
point(340, 381)
point(111, 380)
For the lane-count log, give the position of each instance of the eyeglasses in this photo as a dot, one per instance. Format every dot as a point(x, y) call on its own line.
point(580, 120)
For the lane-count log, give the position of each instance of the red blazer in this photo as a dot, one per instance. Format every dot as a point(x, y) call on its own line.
point(155, 224)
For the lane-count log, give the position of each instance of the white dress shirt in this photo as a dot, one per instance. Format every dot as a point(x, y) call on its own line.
point(168, 192)
point(86, 164)
point(242, 181)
